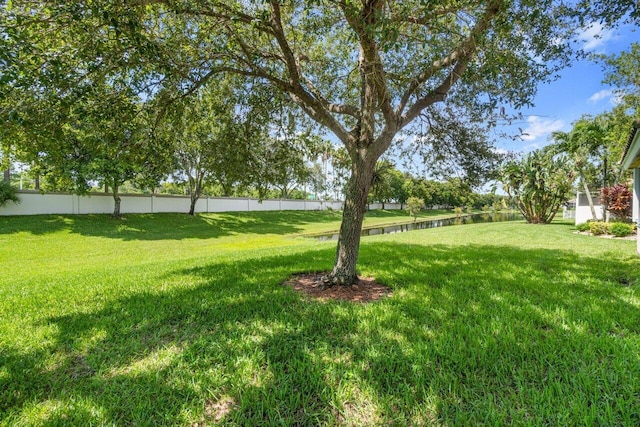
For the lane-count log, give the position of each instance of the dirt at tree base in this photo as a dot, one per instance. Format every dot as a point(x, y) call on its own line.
point(314, 286)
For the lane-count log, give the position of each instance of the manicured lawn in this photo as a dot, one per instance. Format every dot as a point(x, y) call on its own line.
point(171, 320)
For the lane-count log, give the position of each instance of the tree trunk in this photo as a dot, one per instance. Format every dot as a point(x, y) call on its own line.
point(7, 175)
point(117, 201)
point(284, 192)
point(355, 205)
point(226, 189)
point(594, 216)
point(37, 182)
point(194, 200)
point(195, 189)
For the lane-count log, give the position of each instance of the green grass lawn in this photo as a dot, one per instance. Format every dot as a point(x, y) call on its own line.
point(173, 320)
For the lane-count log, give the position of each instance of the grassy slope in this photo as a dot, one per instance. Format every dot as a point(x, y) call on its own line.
point(171, 320)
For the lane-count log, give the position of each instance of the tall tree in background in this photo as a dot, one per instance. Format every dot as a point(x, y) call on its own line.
point(381, 182)
point(279, 163)
point(341, 166)
point(317, 181)
point(75, 110)
point(362, 70)
point(585, 145)
point(387, 184)
point(107, 134)
point(396, 182)
point(249, 122)
point(96, 137)
point(277, 156)
point(210, 134)
point(194, 130)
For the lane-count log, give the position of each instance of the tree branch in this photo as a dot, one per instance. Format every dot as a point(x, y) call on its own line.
point(229, 15)
point(343, 109)
point(281, 39)
point(313, 106)
point(375, 93)
point(460, 56)
point(299, 89)
point(424, 19)
point(438, 94)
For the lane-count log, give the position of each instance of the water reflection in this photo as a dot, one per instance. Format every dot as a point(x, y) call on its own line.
point(431, 223)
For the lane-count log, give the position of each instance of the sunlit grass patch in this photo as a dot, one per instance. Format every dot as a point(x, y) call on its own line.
point(502, 323)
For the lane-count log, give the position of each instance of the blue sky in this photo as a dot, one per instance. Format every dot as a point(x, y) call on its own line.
point(578, 91)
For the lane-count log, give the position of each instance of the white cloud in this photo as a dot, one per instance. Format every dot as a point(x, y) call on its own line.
point(615, 97)
point(603, 94)
point(594, 36)
point(540, 127)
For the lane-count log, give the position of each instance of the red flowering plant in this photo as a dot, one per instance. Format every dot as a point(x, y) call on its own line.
point(617, 200)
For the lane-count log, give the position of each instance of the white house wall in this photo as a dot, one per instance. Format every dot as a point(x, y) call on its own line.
point(583, 211)
point(635, 204)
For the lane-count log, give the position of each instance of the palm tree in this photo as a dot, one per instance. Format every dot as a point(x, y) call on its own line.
point(381, 181)
point(584, 144)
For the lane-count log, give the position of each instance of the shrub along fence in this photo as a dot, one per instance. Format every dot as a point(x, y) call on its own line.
point(36, 203)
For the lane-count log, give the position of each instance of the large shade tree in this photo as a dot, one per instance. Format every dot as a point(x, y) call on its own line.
point(364, 70)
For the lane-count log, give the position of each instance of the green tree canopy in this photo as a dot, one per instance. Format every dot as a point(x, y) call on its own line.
point(211, 134)
point(362, 70)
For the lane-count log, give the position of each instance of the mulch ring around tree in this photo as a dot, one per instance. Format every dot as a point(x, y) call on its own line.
point(314, 286)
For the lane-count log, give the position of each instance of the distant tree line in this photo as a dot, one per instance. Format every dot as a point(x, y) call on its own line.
point(197, 170)
point(394, 186)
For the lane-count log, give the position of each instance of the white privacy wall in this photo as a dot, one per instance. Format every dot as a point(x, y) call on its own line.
point(35, 203)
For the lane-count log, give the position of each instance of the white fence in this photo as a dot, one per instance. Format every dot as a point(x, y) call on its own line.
point(36, 203)
point(387, 206)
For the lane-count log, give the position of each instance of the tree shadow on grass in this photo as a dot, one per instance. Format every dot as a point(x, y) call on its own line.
point(169, 226)
point(474, 334)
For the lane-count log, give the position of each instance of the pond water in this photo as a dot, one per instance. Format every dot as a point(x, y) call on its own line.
point(431, 223)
